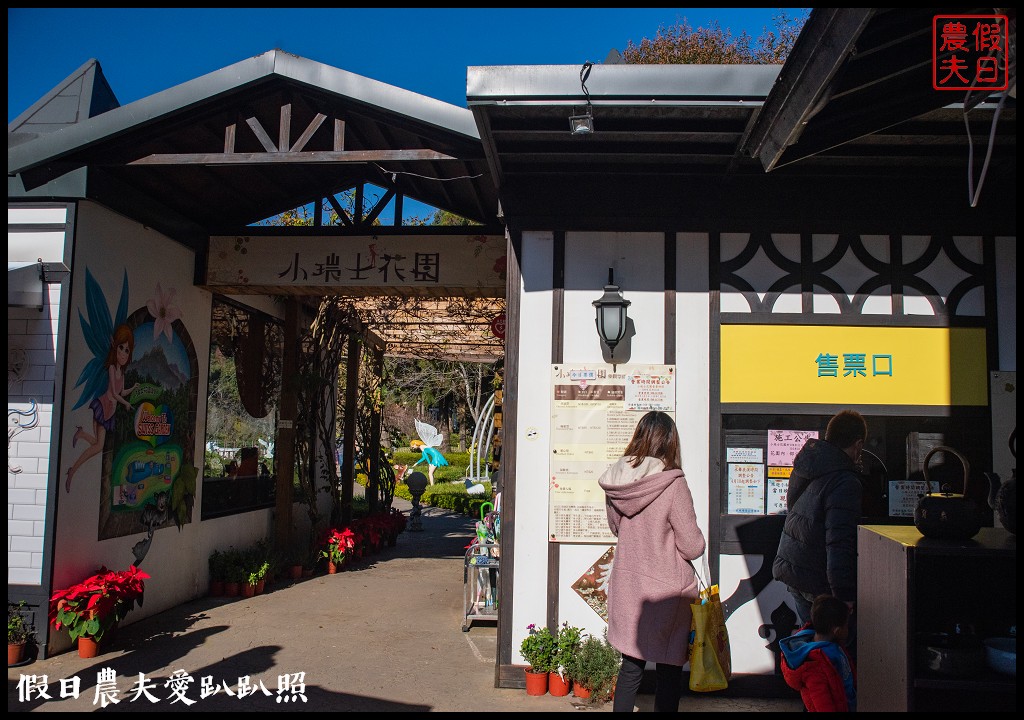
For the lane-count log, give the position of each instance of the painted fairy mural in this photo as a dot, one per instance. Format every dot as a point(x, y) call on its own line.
point(141, 389)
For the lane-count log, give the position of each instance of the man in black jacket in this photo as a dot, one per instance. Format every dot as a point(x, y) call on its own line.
point(818, 549)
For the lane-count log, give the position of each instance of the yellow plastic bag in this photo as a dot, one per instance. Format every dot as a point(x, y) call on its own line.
point(710, 656)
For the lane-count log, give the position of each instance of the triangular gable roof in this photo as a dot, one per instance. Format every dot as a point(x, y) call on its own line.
point(440, 159)
point(83, 94)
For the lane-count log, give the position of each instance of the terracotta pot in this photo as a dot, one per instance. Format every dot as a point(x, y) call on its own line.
point(580, 691)
point(332, 568)
point(88, 647)
point(231, 589)
point(15, 652)
point(248, 590)
point(558, 685)
point(536, 682)
point(261, 586)
point(295, 572)
point(216, 588)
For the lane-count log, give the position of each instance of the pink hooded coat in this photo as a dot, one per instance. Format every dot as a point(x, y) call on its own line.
point(650, 511)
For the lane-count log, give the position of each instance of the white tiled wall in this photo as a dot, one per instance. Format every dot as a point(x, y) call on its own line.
point(31, 343)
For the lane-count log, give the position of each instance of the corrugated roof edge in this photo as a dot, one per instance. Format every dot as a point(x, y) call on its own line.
point(623, 83)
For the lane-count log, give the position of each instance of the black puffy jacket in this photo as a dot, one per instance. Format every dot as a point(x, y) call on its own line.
point(818, 549)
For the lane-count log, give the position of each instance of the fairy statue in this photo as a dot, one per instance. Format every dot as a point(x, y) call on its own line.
point(112, 343)
point(429, 440)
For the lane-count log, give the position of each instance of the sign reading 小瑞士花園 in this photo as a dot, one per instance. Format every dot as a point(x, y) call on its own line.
point(432, 262)
point(844, 365)
point(594, 412)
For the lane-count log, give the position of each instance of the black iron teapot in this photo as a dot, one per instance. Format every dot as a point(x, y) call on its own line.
point(944, 514)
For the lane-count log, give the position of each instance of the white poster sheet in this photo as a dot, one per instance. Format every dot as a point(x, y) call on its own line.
point(594, 412)
point(746, 489)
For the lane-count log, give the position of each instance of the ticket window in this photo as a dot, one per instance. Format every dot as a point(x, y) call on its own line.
point(757, 454)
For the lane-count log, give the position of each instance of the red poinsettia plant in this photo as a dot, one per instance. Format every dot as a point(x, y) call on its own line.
point(94, 605)
point(339, 543)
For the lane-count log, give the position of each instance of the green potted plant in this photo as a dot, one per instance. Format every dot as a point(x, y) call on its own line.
point(296, 558)
point(19, 631)
point(218, 571)
point(257, 576)
point(538, 649)
point(594, 668)
point(92, 607)
point(234, 572)
point(567, 642)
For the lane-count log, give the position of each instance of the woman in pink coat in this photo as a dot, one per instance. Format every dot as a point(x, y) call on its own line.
point(650, 511)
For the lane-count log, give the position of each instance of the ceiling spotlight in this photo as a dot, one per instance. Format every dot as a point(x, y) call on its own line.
point(582, 122)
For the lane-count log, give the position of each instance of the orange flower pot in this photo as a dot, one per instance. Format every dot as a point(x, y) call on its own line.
point(88, 647)
point(332, 568)
point(536, 682)
point(15, 652)
point(581, 692)
point(558, 685)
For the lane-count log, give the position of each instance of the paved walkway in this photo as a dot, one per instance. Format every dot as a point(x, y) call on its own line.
point(384, 637)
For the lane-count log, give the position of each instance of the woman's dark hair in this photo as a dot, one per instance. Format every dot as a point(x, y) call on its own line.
point(655, 436)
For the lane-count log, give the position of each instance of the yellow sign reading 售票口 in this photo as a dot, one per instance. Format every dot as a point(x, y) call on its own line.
point(853, 365)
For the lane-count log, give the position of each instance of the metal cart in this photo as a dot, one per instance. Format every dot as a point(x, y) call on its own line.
point(480, 580)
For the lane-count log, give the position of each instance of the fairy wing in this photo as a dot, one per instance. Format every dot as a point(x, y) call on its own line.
point(428, 434)
point(98, 331)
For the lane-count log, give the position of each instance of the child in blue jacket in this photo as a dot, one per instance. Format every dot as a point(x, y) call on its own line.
point(815, 663)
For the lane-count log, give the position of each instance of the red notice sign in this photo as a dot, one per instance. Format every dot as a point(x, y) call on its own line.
point(969, 52)
point(498, 326)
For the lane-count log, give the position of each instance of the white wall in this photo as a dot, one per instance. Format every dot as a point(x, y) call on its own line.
point(31, 352)
point(533, 419)
point(108, 245)
point(31, 341)
point(638, 263)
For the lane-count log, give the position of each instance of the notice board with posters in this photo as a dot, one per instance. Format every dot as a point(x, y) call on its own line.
point(758, 466)
point(594, 411)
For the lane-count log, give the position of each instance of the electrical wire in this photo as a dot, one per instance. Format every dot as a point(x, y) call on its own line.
point(972, 194)
point(395, 173)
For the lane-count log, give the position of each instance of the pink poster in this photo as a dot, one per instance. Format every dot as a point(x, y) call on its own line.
point(783, 445)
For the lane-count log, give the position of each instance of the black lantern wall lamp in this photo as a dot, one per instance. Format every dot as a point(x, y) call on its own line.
point(611, 313)
point(582, 123)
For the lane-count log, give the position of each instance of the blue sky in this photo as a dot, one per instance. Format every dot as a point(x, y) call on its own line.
point(425, 50)
point(144, 51)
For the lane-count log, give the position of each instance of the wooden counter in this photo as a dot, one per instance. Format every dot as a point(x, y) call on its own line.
point(909, 584)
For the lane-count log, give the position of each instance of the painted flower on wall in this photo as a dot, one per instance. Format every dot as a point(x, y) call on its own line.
point(164, 312)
